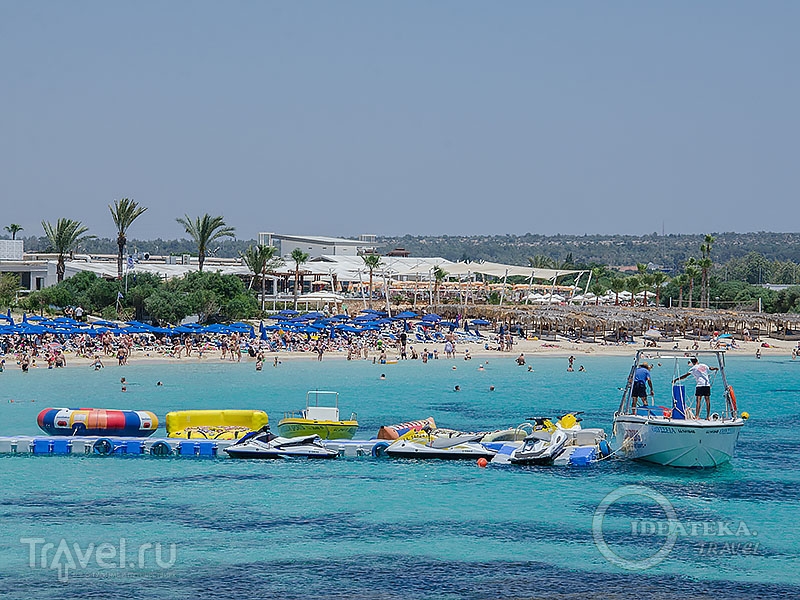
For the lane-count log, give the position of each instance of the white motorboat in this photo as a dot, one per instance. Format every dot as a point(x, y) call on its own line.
point(672, 435)
point(449, 447)
point(263, 444)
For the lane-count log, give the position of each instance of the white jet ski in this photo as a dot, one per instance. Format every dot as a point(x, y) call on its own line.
point(264, 444)
point(540, 448)
point(443, 447)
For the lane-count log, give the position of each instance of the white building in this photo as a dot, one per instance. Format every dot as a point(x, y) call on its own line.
point(317, 245)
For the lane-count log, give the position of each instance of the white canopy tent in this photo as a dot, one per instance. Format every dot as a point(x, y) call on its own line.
point(501, 270)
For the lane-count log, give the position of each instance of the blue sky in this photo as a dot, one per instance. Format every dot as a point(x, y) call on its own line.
point(448, 117)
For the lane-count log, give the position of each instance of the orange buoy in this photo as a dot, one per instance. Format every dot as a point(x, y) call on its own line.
point(482, 462)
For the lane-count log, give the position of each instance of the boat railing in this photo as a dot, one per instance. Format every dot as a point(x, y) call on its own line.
point(650, 354)
point(315, 396)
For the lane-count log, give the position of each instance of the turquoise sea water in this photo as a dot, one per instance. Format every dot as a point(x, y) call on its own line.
point(382, 528)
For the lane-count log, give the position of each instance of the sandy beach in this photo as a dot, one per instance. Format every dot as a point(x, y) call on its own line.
point(531, 348)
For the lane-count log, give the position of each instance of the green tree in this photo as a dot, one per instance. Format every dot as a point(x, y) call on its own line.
point(439, 275)
point(680, 282)
point(644, 279)
point(140, 288)
point(299, 257)
point(658, 279)
point(617, 285)
point(540, 261)
point(63, 238)
point(598, 289)
point(9, 286)
point(167, 306)
point(13, 229)
point(692, 272)
point(205, 230)
point(705, 264)
point(124, 212)
point(372, 262)
point(260, 260)
point(633, 284)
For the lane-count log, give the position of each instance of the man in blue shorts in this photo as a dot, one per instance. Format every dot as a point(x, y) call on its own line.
point(641, 378)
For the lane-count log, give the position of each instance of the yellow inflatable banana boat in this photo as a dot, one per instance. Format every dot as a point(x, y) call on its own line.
point(214, 424)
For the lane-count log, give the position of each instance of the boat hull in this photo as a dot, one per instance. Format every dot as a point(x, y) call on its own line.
point(466, 451)
point(326, 430)
point(270, 455)
point(676, 443)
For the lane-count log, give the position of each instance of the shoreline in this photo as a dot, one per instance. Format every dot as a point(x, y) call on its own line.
point(530, 348)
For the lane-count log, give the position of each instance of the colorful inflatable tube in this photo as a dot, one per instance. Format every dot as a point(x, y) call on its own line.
point(97, 421)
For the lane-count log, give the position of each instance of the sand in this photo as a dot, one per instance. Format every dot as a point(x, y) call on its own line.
point(531, 348)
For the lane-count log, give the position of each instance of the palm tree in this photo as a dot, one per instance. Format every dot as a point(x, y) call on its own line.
point(692, 272)
point(372, 262)
point(681, 281)
point(598, 289)
point(64, 237)
point(299, 257)
point(439, 275)
point(13, 229)
point(644, 279)
point(658, 279)
point(260, 260)
point(540, 261)
point(124, 212)
point(705, 264)
point(633, 285)
point(204, 230)
point(617, 285)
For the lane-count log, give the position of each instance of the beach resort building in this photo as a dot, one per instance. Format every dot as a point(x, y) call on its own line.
point(317, 245)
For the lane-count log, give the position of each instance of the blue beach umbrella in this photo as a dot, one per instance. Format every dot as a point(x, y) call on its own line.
point(431, 318)
point(480, 322)
point(103, 324)
point(407, 314)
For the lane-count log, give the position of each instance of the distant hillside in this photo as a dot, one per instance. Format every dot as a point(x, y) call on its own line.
point(670, 250)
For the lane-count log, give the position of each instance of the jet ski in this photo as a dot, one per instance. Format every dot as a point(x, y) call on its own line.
point(540, 448)
point(450, 447)
point(264, 444)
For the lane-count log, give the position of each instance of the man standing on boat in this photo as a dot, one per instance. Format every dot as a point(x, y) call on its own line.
point(641, 378)
point(700, 372)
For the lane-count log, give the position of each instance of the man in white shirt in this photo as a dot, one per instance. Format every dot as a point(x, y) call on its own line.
point(700, 372)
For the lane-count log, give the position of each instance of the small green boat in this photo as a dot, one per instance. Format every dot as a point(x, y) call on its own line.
point(318, 420)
